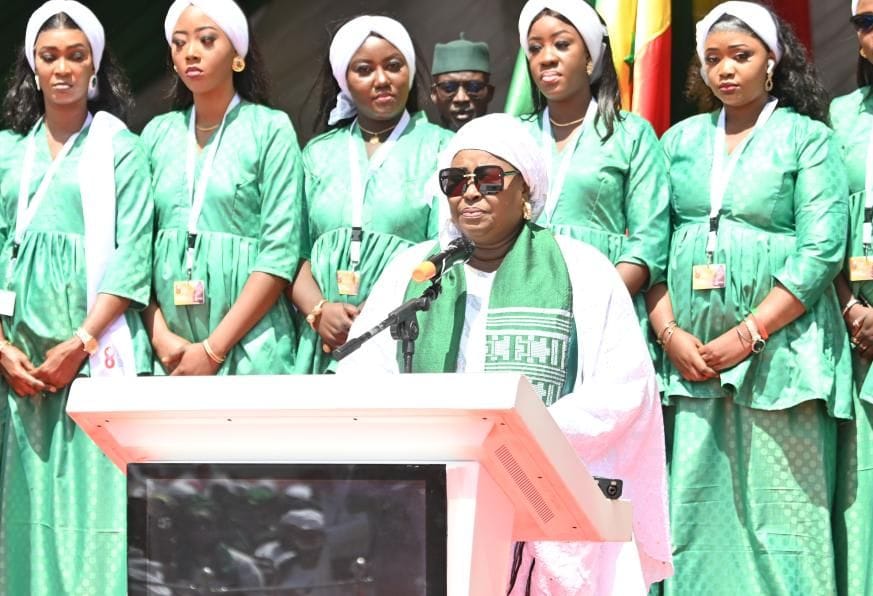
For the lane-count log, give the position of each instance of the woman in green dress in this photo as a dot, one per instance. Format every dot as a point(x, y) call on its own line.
point(228, 211)
point(759, 365)
point(370, 187)
point(608, 183)
point(852, 119)
point(76, 238)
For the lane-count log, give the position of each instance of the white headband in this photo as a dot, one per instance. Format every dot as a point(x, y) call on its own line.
point(754, 15)
point(503, 136)
point(584, 18)
point(854, 7)
point(226, 14)
point(81, 14)
point(346, 42)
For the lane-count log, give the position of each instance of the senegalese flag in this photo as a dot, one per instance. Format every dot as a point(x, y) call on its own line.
point(639, 33)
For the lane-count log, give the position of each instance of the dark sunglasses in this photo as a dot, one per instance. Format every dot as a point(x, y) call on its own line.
point(863, 22)
point(487, 179)
point(473, 88)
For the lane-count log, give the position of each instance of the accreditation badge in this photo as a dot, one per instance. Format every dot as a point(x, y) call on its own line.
point(7, 303)
point(189, 292)
point(708, 277)
point(348, 282)
point(861, 268)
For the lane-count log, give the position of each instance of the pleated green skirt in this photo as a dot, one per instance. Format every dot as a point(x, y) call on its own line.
point(62, 506)
point(751, 494)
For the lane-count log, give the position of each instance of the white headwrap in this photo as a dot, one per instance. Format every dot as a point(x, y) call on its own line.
point(854, 7)
point(347, 41)
point(226, 14)
point(503, 136)
point(85, 19)
point(758, 18)
point(584, 18)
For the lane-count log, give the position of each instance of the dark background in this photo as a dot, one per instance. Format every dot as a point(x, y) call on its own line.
point(294, 38)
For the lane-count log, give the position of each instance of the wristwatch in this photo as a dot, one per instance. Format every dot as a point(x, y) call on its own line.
point(758, 342)
point(89, 344)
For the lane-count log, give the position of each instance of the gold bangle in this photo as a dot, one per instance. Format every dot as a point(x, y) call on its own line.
point(668, 328)
point(212, 355)
point(315, 314)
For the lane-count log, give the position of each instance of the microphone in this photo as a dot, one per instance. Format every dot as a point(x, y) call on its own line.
point(459, 251)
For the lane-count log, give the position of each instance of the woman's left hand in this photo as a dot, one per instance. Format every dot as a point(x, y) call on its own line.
point(62, 363)
point(859, 321)
point(726, 350)
point(195, 361)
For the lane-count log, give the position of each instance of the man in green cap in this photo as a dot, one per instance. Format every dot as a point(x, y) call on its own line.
point(461, 90)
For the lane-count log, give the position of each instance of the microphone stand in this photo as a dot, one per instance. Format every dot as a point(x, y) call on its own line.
point(403, 322)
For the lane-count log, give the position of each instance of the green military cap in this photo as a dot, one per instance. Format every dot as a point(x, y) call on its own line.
point(460, 55)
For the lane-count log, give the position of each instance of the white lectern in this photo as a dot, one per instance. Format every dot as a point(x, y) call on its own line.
point(511, 474)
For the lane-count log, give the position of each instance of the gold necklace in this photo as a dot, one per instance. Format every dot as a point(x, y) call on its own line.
point(208, 128)
point(565, 124)
point(374, 136)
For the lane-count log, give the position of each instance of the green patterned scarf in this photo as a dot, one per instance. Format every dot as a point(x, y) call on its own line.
point(530, 320)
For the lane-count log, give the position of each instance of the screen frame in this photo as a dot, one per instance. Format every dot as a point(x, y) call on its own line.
point(433, 476)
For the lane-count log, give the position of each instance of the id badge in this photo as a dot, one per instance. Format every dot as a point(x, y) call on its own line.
point(348, 282)
point(708, 277)
point(189, 292)
point(7, 303)
point(861, 268)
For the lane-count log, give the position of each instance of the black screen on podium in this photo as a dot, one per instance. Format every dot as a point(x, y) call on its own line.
point(291, 529)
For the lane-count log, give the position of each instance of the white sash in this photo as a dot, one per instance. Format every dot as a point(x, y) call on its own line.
point(115, 356)
point(868, 198)
point(721, 174)
point(359, 184)
point(197, 190)
point(556, 178)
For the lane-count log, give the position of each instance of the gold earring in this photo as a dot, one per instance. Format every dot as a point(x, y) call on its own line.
point(589, 67)
point(36, 81)
point(768, 86)
point(526, 211)
point(238, 65)
point(863, 55)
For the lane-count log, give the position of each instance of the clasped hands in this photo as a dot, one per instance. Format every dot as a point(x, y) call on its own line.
point(697, 361)
point(62, 364)
point(859, 323)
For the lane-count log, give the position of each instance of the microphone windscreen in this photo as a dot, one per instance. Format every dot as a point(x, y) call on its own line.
point(424, 272)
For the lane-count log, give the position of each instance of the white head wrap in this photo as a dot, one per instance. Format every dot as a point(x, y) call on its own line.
point(854, 7)
point(346, 42)
point(226, 14)
point(758, 18)
point(505, 137)
point(584, 18)
point(85, 19)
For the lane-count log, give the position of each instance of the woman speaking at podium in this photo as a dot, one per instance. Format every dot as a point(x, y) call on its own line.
point(523, 286)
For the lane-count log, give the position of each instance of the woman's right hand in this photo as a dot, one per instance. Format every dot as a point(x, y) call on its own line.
point(683, 350)
point(335, 322)
point(18, 371)
point(169, 348)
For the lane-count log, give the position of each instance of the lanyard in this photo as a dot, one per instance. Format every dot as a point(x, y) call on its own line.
point(868, 198)
point(27, 209)
point(722, 173)
point(197, 191)
point(359, 185)
point(556, 178)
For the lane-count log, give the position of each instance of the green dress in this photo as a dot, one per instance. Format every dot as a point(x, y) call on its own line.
point(251, 221)
point(752, 457)
point(615, 197)
point(400, 209)
point(63, 507)
point(852, 119)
